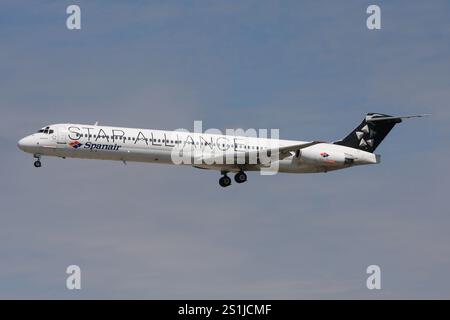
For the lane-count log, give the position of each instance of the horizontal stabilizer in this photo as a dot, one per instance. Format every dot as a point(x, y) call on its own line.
point(381, 118)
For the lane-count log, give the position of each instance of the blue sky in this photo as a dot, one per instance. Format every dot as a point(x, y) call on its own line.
point(309, 68)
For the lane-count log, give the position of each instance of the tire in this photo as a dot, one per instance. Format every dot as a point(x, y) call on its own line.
point(224, 181)
point(37, 164)
point(240, 177)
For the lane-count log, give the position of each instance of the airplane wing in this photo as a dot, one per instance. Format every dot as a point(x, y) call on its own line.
point(284, 152)
point(239, 159)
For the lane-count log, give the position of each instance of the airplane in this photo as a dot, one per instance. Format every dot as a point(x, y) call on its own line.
point(225, 153)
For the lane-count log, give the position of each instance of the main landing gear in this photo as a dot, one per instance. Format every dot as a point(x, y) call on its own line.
point(37, 163)
point(239, 177)
point(225, 181)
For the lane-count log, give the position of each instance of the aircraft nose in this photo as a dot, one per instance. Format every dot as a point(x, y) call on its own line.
point(21, 143)
point(24, 143)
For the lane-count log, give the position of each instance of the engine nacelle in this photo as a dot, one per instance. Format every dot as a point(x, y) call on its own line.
point(323, 158)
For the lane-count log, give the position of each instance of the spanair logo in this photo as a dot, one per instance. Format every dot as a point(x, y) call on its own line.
point(75, 144)
point(324, 154)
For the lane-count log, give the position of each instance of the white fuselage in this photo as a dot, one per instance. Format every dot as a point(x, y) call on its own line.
point(157, 146)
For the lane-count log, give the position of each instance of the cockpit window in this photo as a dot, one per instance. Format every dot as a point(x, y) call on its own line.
point(46, 130)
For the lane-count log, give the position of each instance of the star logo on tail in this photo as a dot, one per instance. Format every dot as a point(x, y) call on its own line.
point(365, 136)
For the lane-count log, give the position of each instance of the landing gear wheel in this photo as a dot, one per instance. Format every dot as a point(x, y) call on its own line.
point(37, 164)
point(240, 177)
point(225, 181)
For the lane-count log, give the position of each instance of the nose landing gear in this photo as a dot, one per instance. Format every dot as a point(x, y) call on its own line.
point(37, 163)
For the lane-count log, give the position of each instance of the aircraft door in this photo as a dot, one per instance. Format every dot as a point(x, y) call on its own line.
point(61, 136)
point(54, 135)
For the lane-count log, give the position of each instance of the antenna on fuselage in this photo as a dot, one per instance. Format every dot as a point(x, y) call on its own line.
point(96, 123)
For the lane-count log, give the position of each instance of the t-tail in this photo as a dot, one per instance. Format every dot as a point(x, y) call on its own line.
point(372, 130)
